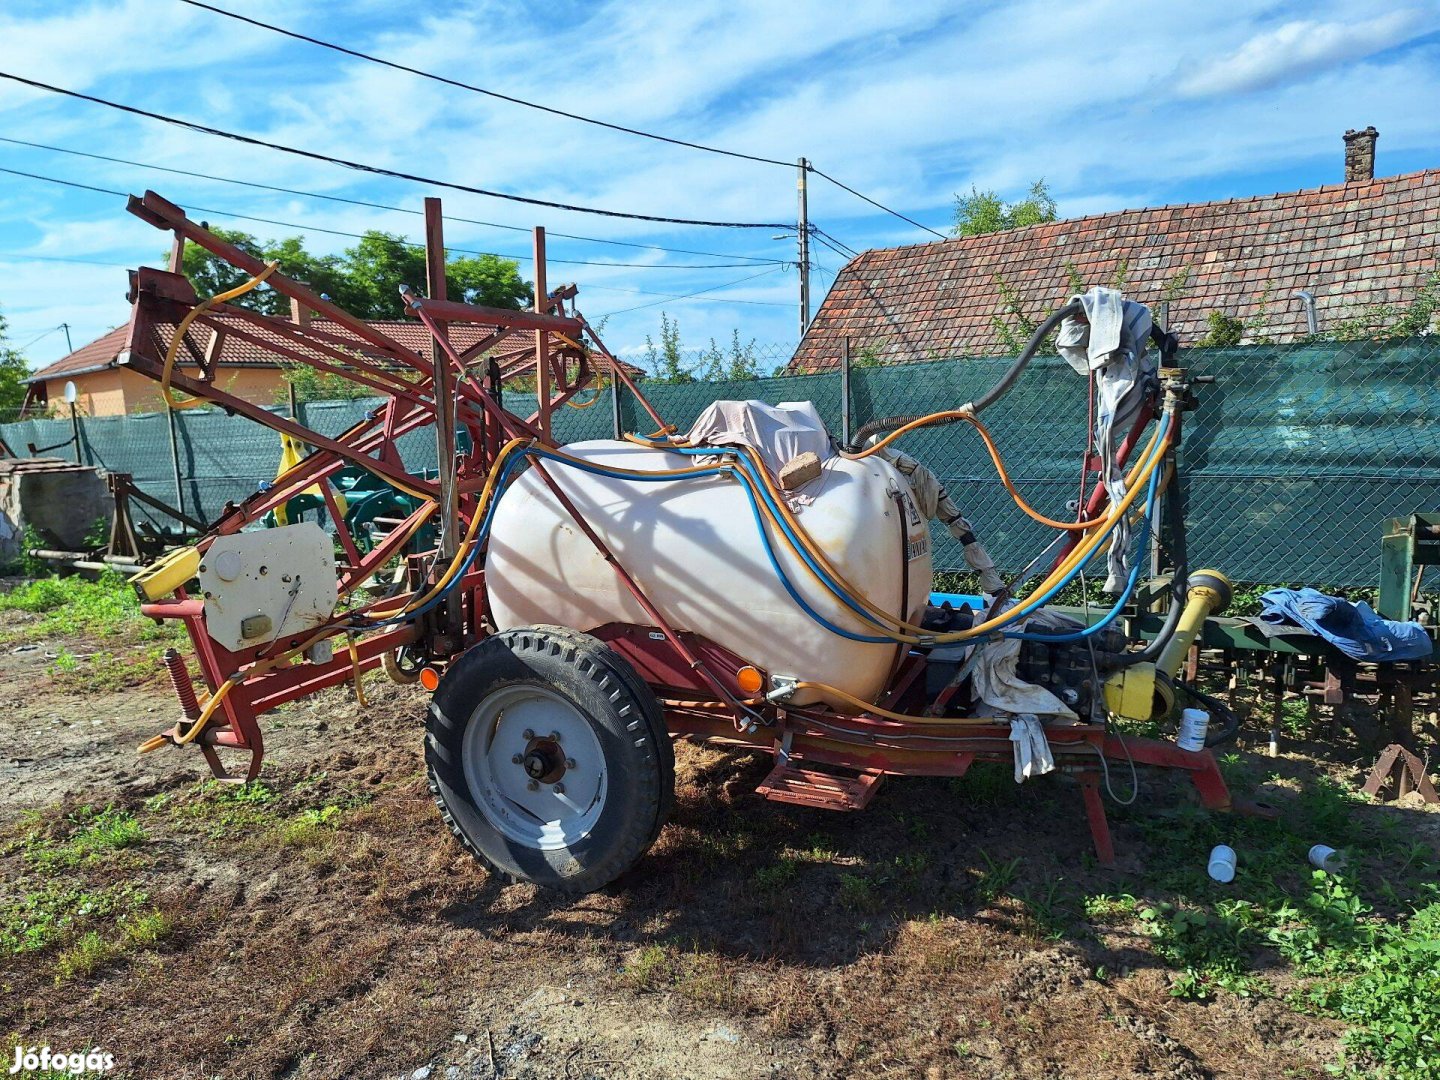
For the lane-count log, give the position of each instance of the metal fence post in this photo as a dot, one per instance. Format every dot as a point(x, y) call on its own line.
point(175, 461)
point(615, 405)
point(845, 391)
point(75, 431)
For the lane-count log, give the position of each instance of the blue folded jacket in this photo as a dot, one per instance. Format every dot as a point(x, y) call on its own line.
point(1352, 628)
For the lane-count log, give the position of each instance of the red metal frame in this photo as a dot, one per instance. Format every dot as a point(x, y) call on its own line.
point(696, 677)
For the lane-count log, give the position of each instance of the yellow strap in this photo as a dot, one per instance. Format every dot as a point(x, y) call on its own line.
point(180, 331)
point(291, 454)
point(355, 674)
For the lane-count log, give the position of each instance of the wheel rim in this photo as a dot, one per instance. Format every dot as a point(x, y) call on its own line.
point(536, 789)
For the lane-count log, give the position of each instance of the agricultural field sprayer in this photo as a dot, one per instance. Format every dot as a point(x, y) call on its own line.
point(574, 609)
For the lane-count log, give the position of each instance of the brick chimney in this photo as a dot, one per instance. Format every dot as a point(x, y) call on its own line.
point(301, 315)
point(1360, 155)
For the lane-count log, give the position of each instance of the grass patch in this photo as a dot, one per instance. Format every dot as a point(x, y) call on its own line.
point(778, 875)
point(1388, 989)
point(214, 809)
point(650, 969)
point(78, 607)
point(92, 950)
point(47, 914)
point(97, 833)
point(700, 977)
point(312, 828)
point(88, 955)
point(106, 672)
point(1362, 947)
point(998, 877)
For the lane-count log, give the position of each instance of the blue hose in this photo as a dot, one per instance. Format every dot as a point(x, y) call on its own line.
point(1027, 607)
point(753, 487)
point(600, 470)
point(1124, 597)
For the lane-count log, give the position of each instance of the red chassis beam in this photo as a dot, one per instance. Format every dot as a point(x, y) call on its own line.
point(875, 746)
point(260, 694)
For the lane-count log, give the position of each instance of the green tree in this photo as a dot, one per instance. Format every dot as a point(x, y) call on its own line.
point(739, 361)
point(13, 369)
point(983, 212)
point(667, 362)
point(380, 263)
point(365, 279)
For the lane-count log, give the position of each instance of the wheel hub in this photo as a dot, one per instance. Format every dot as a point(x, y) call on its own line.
point(543, 761)
point(535, 766)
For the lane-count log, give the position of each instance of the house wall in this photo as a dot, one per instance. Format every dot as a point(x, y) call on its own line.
point(116, 391)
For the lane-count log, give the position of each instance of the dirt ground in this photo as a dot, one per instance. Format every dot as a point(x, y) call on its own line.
point(327, 925)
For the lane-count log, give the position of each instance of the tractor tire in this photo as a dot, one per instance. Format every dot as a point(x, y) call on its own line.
point(548, 758)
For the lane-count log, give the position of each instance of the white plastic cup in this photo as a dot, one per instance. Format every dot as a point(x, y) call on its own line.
point(1222, 863)
point(1327, 859)
point(1193, 725)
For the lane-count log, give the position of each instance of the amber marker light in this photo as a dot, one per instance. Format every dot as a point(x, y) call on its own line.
point(750, 680)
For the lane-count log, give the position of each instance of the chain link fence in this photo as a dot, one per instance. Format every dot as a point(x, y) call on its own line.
point(1294, 458)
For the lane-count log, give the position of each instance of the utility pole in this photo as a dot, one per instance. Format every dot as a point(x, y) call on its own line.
point(803, 233)
point(68, 347)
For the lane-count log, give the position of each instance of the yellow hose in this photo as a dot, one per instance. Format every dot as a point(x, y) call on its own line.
point(213, 702)
point(1137, 482)
point(954, 721)
point(910, 633)
point(190, 316)
point(984, 432)
point(355, 674)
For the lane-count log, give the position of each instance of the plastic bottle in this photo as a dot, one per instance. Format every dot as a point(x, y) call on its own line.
point(1193, 725)
point(1222, 863)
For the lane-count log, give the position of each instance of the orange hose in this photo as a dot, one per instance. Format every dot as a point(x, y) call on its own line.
point(961, 414)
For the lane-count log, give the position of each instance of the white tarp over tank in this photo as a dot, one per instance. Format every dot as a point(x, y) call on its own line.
point(777, 432)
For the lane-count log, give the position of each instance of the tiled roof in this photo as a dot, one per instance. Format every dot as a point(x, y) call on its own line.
point(1354, 246)
point(101, 352)
point(96, 356)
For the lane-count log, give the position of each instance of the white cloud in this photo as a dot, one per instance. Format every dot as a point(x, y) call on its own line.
point(908, 102)
point(1300, 48)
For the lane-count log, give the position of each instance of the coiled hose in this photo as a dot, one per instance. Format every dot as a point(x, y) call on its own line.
point(994, 394)
point(1226, 733)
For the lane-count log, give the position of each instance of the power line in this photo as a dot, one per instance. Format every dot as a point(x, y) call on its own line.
point(57, 258)
point(481, 90)
point(834, 246)
point(404, 243)
point(879, 205)
point(378, 170)
point(373, 205)
point(296, 35)
point(837, 246)
point(42, 337)
point(674, 296)
point(698, 293)
point(361, 236)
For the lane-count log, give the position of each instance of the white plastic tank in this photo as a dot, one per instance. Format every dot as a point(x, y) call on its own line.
point(694, 547)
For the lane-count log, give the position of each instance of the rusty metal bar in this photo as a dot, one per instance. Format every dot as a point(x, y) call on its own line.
point(542, 343)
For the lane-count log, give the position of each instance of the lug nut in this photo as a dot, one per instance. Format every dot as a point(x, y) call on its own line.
point(569, 763)
point(559, 789)
point(554, 736)
point(516, 759)
point(527, 735)
point(533, 785)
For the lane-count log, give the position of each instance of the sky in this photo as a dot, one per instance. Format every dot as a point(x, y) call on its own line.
point(1116, 105)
